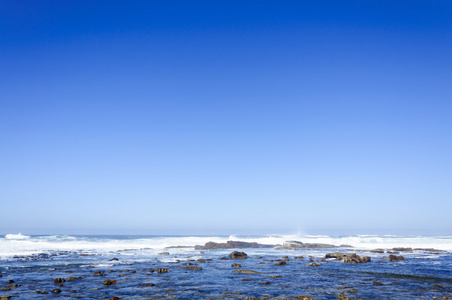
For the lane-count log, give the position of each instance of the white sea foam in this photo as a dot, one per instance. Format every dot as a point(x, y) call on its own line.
point(19, 245)
point(18, 236)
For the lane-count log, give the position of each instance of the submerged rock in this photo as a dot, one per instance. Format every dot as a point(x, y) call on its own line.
point(109, 281)
point(236, 265)
point(231, 245)
point(56, 291)
point(193, 268)
point(281, 263)
point(238, 255)
point(59, 280)
point(162, 270)
point(13, 286)
point(147, 284)
point(247, 272)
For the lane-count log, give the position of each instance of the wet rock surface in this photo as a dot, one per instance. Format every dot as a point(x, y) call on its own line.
point(238, 255)
point(349, 258)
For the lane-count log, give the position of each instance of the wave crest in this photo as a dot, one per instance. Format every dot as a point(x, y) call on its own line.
point(18, 236)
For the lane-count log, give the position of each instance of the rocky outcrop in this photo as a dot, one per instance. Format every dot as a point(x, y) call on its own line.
point(377, 251)
point(403, 249)
point(231, 245)
point(294, 245)
point(396, 258)
point(238, 255)
point(349, 258)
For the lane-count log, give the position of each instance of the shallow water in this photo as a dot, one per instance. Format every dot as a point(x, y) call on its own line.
point(35, 262)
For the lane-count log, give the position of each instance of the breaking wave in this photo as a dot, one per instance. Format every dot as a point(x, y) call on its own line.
point(18, 244)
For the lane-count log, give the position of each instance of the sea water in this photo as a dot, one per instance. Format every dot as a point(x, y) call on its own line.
point(33, 262)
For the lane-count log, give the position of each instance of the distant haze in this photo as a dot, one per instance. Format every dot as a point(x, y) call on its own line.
point(225, 117)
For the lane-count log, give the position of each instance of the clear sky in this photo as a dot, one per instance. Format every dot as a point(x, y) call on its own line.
point(167, 117)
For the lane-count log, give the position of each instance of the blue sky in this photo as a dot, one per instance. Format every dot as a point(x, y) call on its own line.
point(203, 117)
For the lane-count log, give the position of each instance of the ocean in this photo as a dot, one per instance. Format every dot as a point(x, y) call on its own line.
point(29, 266)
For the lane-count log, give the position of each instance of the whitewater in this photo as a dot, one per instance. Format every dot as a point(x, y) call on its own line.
point(21, 244)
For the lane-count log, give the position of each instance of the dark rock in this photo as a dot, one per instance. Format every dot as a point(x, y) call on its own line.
point(56, 291)
point(224, 258)
point(5, 297)
point(314, 264)
point(109, 281)
point(376, 283)
point(231, 245)
point(99, 273)
point(10, 281)
point(281, 263)
point(238, 255)
point(396, 258)
point(41, 292)
point(294, 245)
point(350, 258)
point(162, 270)
point(356, 259)
point(164, 253)
point(114, 259)
point(247, 272)
point(114, 298)
point(4, 289)
point(236, 265)
point(266, 283)
point(59, 280)
point(299, 257)
point(201, 261)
